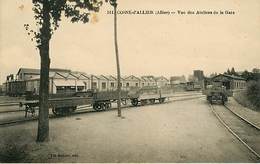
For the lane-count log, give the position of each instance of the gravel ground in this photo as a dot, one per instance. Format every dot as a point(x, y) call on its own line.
point(183, 131)
point(252, 116)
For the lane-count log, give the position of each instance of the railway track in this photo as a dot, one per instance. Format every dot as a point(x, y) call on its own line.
point(244, 119)
point(245, 131)
point(83, 110)
point(22, 110)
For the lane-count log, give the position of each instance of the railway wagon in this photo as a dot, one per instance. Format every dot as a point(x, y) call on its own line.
point(149, 94)
point(217, 93)
point(193, 86)
point(102, 100)
point(59, 106)
point(64, 104)
point(15, 88)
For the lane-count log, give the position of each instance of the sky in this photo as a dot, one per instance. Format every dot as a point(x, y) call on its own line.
point(168, 45)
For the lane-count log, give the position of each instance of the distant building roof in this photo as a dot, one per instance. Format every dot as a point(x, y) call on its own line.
point(29, 70)
point(177, 79)
point(229, 77)
point(59, 70)
point(37, 71)
point(148, 78)
point(103, 77)
point(111, 78)
point(67, 75)
point(132, 77)
point(161, 78)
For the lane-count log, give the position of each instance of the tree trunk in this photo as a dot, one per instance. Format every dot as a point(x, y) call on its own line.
point(43, 121)
point(117, 63)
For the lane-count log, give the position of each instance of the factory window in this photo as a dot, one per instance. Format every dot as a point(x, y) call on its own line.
point(127, 84)
point(103, 84)
point(142, 84)
point(112, 85)
point(94, 85)
point(136, 84)
point(60, 89)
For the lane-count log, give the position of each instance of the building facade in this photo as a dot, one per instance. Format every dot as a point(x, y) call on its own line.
point(67, 81)
point(162, 81)
point(230, 81)
point(175, 80)
point(198, 74)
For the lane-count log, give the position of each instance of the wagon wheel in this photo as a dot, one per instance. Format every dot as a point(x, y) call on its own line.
point(134, 102)
point(55, 111)
point(74, 108)
point(161, 100)
point(108, 105)
point(103, 106)
point(124, 101)
point(97, 107)
point(152, 101)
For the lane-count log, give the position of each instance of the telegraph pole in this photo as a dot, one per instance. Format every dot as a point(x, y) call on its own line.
point(114, 4)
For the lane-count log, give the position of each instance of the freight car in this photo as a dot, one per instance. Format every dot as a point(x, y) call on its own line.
point(193, 86)
point(150, 95)
point(15, 88)
point(66, 104)
point(217, 93)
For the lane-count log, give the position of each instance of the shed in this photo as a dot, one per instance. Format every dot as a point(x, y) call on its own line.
point(102, 82)
point(161, 81)
point(132, 81)
point(112, 82)
point(82, 81)
point(230, 81)
point(148, 81)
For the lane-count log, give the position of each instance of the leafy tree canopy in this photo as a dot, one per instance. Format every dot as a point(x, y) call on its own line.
point(75, 10)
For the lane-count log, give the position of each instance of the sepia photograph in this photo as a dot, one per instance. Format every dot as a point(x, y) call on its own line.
point(129, 81)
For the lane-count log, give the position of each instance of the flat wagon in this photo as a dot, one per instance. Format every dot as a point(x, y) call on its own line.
point(64, 104)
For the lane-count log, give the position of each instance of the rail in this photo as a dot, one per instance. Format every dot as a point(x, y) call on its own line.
point(235, 134)
point(82, 111)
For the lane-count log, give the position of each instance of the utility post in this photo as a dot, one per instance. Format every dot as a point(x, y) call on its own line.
point(91, 82)
point(114, 4)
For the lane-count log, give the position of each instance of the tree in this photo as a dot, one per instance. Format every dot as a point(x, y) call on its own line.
point(48, 14)
point(250, 76)
point(233, 72)
point(114, 4)
point(228, 72)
